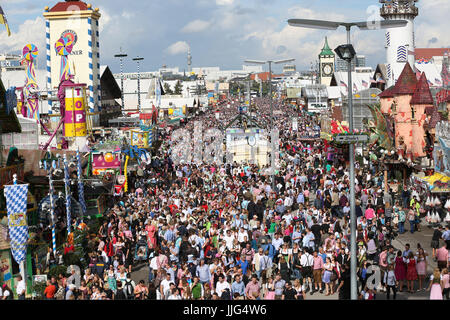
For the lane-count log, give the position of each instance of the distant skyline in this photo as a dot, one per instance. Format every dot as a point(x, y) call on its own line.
point(221, 32)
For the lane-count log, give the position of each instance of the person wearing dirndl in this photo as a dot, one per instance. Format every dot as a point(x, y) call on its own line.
point(400, 270)
point(411, 272)
point(435, 287)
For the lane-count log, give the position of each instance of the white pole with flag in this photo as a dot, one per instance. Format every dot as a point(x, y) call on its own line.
point(16, 204)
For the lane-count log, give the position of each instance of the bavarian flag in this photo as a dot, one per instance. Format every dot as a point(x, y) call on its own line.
point(4, 21)
point(16, 206)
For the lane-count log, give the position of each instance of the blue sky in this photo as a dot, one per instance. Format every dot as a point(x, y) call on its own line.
point(222, 32)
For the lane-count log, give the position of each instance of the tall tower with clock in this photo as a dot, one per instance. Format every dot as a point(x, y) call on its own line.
point(326, 62)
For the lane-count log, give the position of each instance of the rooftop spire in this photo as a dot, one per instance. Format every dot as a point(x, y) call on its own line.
point(326, 51)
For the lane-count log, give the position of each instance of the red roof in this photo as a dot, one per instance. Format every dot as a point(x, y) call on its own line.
point(406, 83)
point(422, 94)
point(388, 93)
point(428, 53)
point(69, 6)
point(264, 76)
point(435, 118)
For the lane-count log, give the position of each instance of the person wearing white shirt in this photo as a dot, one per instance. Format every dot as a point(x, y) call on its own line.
point(21, 288)
point(242, 235)
point(391, 281)
point(277, 242)
point(222, 285)
point(229, 238)
point(165, 287)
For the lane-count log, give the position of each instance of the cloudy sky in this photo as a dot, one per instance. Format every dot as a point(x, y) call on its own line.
point(222, 32)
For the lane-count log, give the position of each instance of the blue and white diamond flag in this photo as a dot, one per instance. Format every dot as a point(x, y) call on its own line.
point(16, 205)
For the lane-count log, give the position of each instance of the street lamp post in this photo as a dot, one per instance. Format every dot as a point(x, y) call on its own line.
point(121, 56)
point(271, 110)
point(333, 25)
point(139, 81)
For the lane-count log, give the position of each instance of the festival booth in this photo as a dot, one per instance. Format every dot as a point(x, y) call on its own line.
point(437, 183)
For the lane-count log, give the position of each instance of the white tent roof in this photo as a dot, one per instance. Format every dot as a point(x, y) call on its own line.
point(334, 92)
point(165, 103)
point(361, 81)
point(431, 71)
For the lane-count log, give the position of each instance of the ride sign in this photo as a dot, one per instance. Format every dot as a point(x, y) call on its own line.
point(351, 138)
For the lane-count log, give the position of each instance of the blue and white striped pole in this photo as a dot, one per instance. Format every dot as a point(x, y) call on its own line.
point(80, 185)
point(91, 102)
point(49, 66)
point(68, 198)
point(52, 211)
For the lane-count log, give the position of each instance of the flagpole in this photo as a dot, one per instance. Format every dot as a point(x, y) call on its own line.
point(22, 263)
point(80, 185)
point(68, 199)
point(52, 211)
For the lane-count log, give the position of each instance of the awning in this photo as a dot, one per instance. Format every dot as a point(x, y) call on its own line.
point(438, 182)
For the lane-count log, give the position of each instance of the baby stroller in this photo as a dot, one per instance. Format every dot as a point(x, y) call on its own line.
point(141, 252)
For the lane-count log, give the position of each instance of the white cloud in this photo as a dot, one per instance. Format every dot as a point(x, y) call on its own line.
point(177, 48)
point(128, 15)
point(31, 31)
point(224, 2)
point(196, 26)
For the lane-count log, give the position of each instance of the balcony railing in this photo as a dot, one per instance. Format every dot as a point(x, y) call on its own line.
point(389, 9)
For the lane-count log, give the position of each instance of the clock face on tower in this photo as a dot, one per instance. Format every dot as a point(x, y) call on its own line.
point(327, 69)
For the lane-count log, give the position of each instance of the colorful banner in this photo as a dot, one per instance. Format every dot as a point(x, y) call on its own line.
point(16, 205)
point(139, 139)
point(102, 163)
point(75, 114)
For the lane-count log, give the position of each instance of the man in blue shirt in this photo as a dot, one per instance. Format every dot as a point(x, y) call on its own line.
point(308, 239)
point(407, 251)
point(238, 286)
point(203, 272)
point(446, 236)
point(170, 234)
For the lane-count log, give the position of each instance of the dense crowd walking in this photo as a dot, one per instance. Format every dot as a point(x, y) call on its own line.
point(220, 231)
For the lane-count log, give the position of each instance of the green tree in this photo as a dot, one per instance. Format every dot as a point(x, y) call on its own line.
point(178, 87)
point(167, 89)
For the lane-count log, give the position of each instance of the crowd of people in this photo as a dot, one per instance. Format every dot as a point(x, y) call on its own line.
point(221, 231)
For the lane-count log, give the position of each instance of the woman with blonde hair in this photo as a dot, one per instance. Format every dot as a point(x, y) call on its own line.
point(435, 287)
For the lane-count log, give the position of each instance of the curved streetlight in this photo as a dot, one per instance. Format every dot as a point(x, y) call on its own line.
point(347, 52)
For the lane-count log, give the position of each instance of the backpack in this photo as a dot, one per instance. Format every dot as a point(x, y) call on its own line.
point(129, 290)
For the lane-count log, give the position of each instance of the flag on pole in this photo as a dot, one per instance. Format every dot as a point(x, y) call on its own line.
point(4, 21)
point(343, 84)
point(16, 205)
point(437, 81)
point(365, 84)
point(158, 92)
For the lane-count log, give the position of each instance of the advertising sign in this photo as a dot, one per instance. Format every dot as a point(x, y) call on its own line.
point(139, 139)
